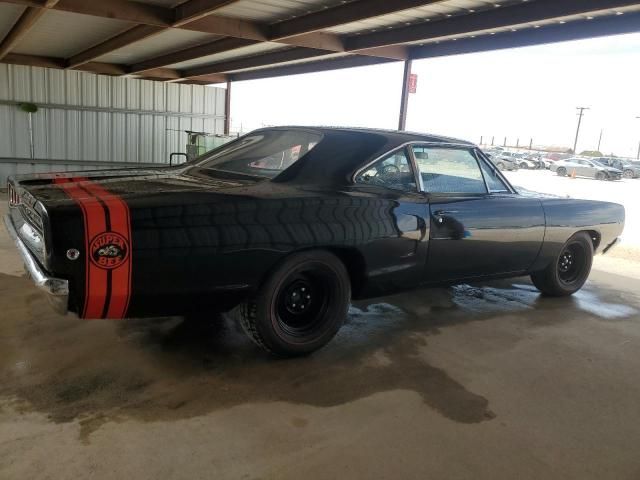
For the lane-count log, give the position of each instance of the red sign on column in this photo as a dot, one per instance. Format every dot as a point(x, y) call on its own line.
point(413, 82)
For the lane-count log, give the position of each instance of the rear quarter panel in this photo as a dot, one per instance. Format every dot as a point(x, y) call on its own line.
point(565, 217)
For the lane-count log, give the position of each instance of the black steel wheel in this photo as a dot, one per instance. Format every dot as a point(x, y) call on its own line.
point(570, 270)
point(562, 171)
point(300, 307)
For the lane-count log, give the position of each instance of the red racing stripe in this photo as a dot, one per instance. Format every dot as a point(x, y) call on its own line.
point(94, 225)
point(120, 224)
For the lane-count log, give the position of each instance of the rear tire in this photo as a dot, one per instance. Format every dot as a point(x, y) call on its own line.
point(300, 307)
point(524, 165)
point(569, 271)
point(500, 165)
point(628, 174)
point(562, 171)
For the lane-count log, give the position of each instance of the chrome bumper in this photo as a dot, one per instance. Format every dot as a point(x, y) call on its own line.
point(57, 288)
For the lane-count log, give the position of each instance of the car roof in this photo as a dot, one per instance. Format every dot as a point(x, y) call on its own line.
point(393, 135)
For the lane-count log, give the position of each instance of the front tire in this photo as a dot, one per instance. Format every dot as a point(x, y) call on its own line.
point(628, 174)
point(569, 271)
point(601, 176)
point(300, 307)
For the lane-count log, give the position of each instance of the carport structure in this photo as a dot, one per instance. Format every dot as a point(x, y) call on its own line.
point(222, 41)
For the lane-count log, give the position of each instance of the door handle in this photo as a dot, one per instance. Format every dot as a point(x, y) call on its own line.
point(439, 214)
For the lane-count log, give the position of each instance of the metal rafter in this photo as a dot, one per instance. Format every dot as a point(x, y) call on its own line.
point(529, 12)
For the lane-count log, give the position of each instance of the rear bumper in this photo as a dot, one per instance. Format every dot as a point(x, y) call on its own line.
point(56, 288)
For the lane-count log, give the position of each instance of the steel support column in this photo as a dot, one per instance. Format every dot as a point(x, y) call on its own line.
point(227, 109)
point(404, 100)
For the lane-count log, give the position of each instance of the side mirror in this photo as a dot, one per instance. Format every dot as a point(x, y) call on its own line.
point(177, 154)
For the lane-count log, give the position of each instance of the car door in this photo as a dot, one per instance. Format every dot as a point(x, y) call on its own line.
point(586, 169)
point(479, 226)
point(393, 216)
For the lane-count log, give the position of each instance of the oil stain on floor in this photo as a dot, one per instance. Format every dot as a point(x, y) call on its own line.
point(169, 368)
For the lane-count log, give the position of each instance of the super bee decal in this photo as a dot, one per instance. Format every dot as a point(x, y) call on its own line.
point(109, 250)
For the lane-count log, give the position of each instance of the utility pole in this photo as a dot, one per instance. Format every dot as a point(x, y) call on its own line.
point(599, 140)
point(575, 143)
point(638, 154)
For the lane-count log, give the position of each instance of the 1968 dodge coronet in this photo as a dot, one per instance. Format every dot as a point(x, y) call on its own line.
point(284, 226)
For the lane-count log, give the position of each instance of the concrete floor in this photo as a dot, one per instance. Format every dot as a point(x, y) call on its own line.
point(470, 382)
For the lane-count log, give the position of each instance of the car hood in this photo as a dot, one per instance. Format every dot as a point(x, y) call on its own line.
point(131, 184)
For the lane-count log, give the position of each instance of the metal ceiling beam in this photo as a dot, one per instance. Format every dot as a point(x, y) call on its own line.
point(24, 23)
point(266, 59)
point(195, 9)
point(128, 11)
point(54, 62)
point(184, 13)
point(123, 39)
point(191, 53)
point(33, 60)
point(576, 30)
point(530, 12)
point(341, 15)
point(308, 67)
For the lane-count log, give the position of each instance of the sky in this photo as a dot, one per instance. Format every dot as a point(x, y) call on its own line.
point(520, 93)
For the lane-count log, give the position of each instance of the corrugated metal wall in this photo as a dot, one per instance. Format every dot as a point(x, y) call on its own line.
point(92, 120)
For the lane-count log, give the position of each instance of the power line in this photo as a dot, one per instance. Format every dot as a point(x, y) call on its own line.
point(575, 143)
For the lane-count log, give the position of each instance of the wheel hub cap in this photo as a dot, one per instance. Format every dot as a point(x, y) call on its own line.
point(298, 298)
point(566, 262)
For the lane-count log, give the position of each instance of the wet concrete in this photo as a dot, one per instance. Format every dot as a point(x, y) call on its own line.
point(483, 381)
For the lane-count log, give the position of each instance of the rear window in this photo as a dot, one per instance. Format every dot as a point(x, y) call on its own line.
point(264, 153)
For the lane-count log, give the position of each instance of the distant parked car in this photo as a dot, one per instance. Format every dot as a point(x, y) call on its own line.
point(585, 168)
point(505, 162)
point(526, 163)
point(554, 157)
point(629, 170)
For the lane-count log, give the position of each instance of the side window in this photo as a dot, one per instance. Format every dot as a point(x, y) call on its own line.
point(449, 170)
point(494, 182)
point(393, 171)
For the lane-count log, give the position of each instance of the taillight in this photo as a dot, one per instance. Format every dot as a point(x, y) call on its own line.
point(14, 198)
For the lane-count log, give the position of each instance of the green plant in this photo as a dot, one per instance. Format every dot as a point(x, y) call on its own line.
point(29, 107)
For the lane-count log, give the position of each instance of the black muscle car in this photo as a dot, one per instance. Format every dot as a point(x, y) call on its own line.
point(284, 226)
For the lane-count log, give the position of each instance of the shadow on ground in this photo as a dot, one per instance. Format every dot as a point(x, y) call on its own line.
point(167, 368)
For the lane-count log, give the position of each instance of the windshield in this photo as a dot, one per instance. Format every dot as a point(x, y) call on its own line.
point(265, 153)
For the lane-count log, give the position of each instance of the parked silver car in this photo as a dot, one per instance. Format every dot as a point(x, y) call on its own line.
point(581, 167)
point(628, 169)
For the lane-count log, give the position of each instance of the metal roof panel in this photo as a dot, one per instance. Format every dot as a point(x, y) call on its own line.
point(63, 34)
point(157, 45)
point(9, 14)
